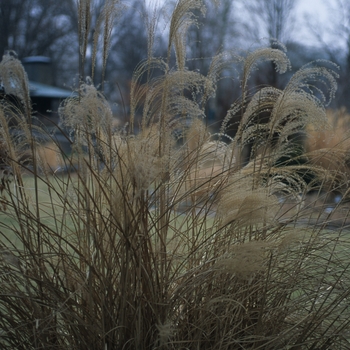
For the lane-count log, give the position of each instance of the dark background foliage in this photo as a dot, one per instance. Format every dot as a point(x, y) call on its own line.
point(49, 28)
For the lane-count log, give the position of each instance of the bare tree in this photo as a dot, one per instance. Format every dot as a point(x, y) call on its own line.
point(215, 30)
point(128, 47)
point(272, 20)
point(37, 27)
point(129, 44)
point(334, 39)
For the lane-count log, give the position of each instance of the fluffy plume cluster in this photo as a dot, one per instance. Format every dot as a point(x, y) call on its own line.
point(13, 77)
point(89, 110)
point(244, 260)
point(241, 205)
point(329, 149)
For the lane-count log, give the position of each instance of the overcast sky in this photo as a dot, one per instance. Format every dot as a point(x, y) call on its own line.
point(309, 11)
point(309, 14)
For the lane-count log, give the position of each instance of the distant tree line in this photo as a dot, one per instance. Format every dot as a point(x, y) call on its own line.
point(50, 28)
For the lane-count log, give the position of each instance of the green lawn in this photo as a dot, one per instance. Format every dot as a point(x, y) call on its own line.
point(50, 206)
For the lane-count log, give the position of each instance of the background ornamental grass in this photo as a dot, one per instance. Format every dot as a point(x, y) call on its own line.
point(163, 235)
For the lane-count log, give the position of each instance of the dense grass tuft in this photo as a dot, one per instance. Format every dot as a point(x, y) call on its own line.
point(162, 235)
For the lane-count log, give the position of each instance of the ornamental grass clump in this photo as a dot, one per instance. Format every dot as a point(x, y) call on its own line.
point(329, 148)
point(165, 238)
